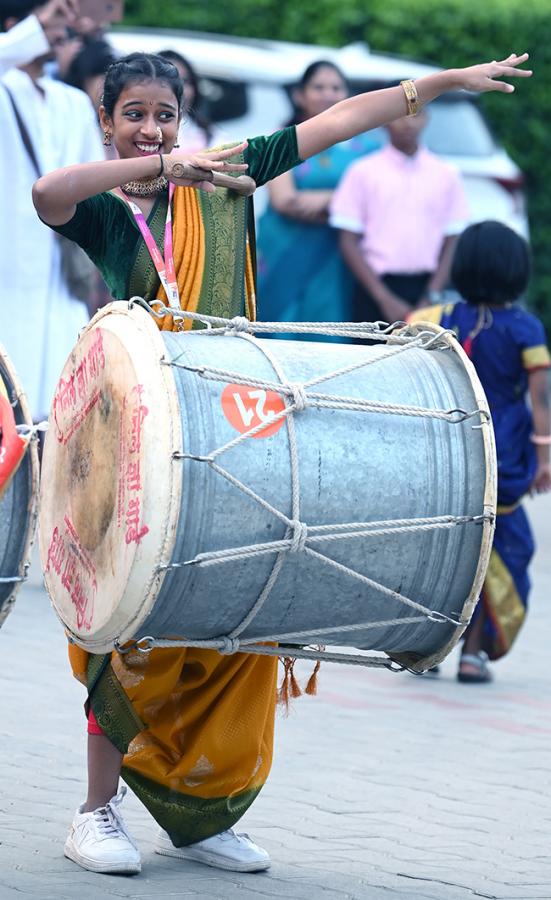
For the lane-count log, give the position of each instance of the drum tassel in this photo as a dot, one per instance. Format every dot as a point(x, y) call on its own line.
point(312, 686)
point(290, 688)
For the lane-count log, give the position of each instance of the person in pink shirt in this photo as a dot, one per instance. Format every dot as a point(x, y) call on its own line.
point(399, 212)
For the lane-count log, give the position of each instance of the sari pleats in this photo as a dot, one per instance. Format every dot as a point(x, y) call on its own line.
point(196, 730)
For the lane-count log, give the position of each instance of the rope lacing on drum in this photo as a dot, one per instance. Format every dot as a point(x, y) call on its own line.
point(298, 540)
point(299, 535)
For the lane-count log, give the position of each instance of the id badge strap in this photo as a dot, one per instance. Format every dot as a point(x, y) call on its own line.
point(164, 266)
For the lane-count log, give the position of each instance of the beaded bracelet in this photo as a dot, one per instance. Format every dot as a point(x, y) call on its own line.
point(542, 439)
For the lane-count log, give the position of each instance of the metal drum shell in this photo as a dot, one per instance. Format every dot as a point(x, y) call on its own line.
point(19, 504)
point(212, 515)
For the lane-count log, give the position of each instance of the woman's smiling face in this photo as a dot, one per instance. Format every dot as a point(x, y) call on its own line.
point(145, 119)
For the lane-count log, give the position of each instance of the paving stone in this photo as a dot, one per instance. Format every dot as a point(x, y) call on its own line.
point(384, 787)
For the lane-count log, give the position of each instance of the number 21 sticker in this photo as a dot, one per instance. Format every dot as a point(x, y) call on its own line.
point(246, 407)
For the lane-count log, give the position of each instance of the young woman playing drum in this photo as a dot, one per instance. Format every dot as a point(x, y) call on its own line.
point(192, 730)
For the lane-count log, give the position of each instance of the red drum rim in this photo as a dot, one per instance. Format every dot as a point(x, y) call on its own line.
point(32, 456)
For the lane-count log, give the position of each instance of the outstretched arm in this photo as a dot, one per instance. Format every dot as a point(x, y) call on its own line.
point(358, 114)
point(56, 195)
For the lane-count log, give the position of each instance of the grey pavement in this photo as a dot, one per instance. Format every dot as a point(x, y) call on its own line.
point(383, 786)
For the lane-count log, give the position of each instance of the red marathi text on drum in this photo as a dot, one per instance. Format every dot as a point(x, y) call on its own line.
point(67, 558)
point(134, 531)
point(138, 415)
point(130, 477)
point(76, 395)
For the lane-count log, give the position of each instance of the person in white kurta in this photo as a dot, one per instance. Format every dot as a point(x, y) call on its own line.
point(39, 319)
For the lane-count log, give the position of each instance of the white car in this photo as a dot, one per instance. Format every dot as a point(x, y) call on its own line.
point(247, 87)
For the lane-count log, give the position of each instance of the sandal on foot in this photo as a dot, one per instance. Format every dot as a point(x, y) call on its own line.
point(474, 668)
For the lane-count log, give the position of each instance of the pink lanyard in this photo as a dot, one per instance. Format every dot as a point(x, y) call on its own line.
point(165, 267)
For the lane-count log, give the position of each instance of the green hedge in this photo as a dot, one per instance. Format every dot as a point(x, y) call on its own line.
point(446, 32)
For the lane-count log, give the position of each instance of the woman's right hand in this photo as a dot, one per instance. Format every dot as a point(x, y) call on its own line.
point(207, 162)
point(482, 78)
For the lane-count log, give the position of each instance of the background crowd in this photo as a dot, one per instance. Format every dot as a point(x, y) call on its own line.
point(366, 230)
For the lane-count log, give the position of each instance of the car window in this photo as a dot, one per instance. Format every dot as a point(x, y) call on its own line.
point(223, 99)
point(457, 128)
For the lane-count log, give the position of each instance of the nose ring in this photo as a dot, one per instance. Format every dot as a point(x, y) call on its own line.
point(159, 135)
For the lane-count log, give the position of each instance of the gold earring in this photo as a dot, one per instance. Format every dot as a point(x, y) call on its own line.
point(106, 138)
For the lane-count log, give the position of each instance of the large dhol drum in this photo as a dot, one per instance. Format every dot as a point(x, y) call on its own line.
point(208, 486)
point(18, 486)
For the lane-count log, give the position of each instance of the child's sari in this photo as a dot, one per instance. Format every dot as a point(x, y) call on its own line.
point(505, 344)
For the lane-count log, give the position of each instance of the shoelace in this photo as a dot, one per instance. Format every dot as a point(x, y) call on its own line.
point(110, 821)
point(231, 833)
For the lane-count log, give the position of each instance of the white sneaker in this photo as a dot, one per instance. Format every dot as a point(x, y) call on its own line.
point(99, 841)
point(227, 850)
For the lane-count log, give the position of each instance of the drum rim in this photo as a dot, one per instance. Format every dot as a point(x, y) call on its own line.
point(32, 455)
point(100, 645)
point(413, 661)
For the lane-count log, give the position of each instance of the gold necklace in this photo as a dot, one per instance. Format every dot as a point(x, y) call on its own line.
point(145, 188)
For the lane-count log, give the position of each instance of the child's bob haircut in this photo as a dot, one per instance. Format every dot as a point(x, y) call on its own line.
point(491, 264)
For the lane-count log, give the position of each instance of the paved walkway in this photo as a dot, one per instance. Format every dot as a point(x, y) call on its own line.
point(385, 786)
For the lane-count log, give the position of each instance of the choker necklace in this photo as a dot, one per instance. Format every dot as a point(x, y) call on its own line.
point(145, 188)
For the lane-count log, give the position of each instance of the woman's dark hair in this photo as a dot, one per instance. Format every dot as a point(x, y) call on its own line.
point(137, 67)
point(309, 73)
point(94, 59)
point(491, 264)
point(194, 111)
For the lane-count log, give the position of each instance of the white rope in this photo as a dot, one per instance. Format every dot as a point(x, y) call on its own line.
point(29, 432)
point(299, 535)
point(395, 332)
point(303, 534)
point(298, 529)
point(227, 646)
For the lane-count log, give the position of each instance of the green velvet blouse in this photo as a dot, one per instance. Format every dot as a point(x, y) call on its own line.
point(106, 229)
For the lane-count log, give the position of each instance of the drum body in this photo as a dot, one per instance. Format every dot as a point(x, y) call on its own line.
point(127, 492)
point(18, 504)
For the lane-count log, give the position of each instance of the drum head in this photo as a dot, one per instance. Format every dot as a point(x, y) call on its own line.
point(18, 504)
point(109, 497)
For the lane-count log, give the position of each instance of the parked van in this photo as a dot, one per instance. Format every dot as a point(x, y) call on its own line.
point(248, 83)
